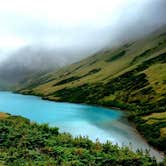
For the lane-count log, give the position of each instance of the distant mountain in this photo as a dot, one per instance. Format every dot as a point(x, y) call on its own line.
point(130, 77)
point(27, 61)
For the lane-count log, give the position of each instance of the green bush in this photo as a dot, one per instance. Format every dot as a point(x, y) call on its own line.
point(26, 143)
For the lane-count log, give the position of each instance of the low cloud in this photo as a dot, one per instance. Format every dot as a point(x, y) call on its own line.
point(68, 31)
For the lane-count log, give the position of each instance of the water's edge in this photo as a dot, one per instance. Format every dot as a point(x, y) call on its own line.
point(124, 117)
point(109, 107)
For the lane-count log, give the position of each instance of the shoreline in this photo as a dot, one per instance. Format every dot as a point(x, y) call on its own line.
point(108, 107)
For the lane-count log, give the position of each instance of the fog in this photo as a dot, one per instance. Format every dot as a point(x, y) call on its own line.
point(54, 33)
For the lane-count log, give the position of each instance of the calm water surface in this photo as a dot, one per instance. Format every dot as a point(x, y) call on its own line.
point(94, 122)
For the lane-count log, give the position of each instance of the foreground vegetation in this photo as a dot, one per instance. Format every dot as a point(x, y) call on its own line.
point(25, 143)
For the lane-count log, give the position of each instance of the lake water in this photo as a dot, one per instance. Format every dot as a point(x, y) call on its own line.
point(77, 119)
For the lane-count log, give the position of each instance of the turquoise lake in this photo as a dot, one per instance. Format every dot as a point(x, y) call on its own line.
point(77, 119)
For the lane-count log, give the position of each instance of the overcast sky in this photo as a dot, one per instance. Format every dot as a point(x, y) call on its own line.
point(75, 24)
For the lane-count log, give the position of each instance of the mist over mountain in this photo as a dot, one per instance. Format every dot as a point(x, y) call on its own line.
point(36, 37)
point(29, 60)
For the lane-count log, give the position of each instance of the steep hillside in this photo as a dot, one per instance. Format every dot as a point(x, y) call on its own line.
point(131, 77)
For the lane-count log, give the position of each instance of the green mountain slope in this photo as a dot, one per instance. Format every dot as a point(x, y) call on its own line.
point(131, 77)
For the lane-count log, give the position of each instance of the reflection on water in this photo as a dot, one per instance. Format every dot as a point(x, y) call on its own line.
point(94, 122)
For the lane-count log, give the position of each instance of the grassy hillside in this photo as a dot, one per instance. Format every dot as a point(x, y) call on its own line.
point(25, 143)
point(131, 77)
